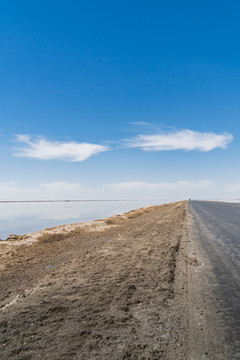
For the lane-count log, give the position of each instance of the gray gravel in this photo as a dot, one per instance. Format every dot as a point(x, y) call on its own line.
point(218, 234)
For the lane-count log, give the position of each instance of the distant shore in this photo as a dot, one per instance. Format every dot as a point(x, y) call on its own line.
point(43, 201)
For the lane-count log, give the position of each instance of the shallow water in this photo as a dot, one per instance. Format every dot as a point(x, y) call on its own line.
point(21, 218)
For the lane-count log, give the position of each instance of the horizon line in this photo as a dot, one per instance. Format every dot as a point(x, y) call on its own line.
point(29, 201)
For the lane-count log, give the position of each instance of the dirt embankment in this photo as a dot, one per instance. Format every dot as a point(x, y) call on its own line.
point(110, 289)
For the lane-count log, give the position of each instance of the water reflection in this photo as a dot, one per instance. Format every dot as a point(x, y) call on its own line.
point(21, 218)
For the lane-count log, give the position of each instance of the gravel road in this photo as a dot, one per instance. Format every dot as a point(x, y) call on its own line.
point(216, 243)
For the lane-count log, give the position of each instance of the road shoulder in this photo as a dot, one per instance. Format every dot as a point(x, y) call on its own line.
point(206, 324)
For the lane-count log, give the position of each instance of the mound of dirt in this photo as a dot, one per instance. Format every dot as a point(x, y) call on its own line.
point(109, 289)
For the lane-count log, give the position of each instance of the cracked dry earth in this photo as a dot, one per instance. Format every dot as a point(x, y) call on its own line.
point(113, 289)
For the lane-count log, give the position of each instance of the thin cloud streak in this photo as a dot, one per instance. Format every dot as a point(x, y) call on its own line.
point(62, 190)
point(140, 123)
point(40, 148)
point(180, 140)
point(178, 185)
point(234, 187)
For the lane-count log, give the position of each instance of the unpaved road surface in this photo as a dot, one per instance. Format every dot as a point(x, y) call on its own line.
point(215, 241)
point(115, 289)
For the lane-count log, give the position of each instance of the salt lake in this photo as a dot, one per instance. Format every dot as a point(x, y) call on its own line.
point(24, 217)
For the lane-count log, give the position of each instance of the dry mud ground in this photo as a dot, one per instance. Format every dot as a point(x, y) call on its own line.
point(109, 289)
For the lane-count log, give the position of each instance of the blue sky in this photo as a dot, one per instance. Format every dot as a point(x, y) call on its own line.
point(119, 99)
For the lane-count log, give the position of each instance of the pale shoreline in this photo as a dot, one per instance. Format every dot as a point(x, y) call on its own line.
point(87, 200)
point(26, 217)
point(70, 228)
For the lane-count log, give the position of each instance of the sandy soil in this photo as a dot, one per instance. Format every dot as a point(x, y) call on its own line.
point(109, 289)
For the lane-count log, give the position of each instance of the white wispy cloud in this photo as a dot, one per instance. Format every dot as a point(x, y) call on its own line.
point(40, 148)
point(178, 185)
point(180, 140)
point(62, 190)
point(61, 187)
point(233, 187)
point(55, 190)
point(9, 183)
